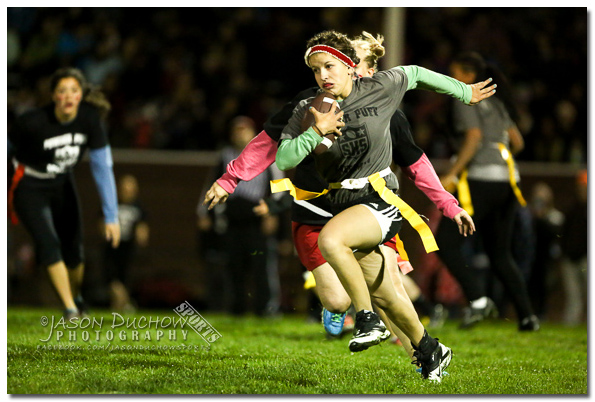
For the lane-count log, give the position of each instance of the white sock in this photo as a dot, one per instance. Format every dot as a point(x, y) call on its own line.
point(482, 302)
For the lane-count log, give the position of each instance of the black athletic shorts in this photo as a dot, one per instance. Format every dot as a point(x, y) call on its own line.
point(49, 209)
point(388, 216)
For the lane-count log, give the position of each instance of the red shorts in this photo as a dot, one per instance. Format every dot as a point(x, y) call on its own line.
point(392, 243)
point(305, 238)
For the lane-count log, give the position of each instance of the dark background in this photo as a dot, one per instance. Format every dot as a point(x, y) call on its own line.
point(176, 76)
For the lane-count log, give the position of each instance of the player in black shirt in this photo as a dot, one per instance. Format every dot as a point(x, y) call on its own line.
point(44, 146)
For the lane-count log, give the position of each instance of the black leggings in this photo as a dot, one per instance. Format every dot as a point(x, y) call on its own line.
point(248, 263)
point(494, 204)
point(49, 210)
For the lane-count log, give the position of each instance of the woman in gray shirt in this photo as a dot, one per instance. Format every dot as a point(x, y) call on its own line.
point(486, 180)
point(362, 155)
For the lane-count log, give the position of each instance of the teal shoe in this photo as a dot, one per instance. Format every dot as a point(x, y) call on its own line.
point(333, 322)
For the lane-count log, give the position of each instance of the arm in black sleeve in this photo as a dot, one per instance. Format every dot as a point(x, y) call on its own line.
point(405, 152)
point(98, 137)
point(416, 165)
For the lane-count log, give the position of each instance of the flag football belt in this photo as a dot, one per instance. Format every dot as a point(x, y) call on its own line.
point(309, 281)
point(29, 171)
point(379, 184)
point(463, 184)
point(405, 268)
point(21, 170)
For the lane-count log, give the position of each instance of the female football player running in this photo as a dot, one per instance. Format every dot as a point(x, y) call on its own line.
point(357, 168)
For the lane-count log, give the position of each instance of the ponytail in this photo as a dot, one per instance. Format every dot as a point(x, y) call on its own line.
point(372, 46)
point(97, 98)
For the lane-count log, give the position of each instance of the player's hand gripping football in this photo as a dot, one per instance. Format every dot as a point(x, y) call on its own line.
point(215, 195)
point(465, 223)
point(328, 123)
point(481, 91)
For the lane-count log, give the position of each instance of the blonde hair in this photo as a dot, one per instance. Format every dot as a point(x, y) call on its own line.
point(372, 46)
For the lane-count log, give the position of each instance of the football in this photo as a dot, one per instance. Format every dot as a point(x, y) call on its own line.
point(323, 103)
point(326, 143)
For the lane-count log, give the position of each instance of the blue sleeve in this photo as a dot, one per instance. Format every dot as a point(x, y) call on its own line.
point(102, 170)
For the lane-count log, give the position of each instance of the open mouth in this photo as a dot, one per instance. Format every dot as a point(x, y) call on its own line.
point(327, 86)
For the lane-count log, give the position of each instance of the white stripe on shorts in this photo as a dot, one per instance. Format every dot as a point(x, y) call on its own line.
point(385, 217)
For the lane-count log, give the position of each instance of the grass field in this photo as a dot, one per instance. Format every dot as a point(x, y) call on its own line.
point(284, 356)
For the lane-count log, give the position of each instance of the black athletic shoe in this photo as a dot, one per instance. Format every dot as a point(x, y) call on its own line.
point(369, 330)
point(81, 306)
point(472, 316)
point(71, 314)
point(434, 363)
point(530, 323)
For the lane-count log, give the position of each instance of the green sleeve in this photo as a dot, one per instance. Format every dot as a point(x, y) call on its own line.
point(422, 78)
point(292, 152)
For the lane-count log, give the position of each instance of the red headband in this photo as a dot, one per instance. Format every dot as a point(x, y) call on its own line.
point(330, 50)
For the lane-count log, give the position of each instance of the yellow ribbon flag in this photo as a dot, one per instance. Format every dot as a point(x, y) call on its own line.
point(507, 156)
point(379, 184)
point(464, 193)
point(401, 248)
point(463, 185)
point(309, 282)
point(297, 193)
point(427, 238)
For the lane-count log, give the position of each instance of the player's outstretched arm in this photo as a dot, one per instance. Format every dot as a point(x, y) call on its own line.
point(481, 91)
point(254, 159)
point(465, 223)
point(424, 177)
point(422, 78)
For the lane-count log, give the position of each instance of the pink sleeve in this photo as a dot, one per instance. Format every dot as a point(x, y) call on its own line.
point(258, 155)
point(425, 178)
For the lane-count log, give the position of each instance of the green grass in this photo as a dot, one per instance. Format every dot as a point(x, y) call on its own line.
point(289, 356)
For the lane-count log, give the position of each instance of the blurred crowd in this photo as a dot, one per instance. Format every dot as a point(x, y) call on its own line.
point(177, 76)
point(542, 51)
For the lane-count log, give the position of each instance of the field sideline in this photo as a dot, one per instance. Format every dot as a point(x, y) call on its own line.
point(282, 356)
